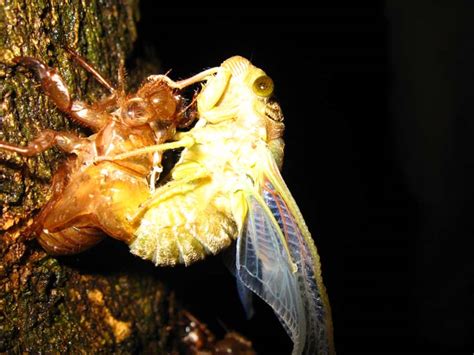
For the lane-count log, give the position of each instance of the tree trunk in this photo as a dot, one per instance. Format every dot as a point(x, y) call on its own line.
point(97, 301)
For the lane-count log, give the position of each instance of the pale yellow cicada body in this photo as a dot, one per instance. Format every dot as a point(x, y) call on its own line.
point(227, 186)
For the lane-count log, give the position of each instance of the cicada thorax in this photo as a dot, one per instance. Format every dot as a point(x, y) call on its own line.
point(118, 138)
point(155, 102)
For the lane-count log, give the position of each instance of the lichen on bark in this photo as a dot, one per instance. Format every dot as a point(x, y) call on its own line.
point(49, 304)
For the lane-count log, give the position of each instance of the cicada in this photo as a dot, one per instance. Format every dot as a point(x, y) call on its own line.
point(226, 186)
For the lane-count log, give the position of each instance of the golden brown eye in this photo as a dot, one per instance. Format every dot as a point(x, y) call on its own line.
point(263, 86)
point(136, 112)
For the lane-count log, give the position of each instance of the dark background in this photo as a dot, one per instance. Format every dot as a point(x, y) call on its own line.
point(378, 103)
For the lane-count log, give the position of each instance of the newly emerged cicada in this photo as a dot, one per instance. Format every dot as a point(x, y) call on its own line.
point(227, 186)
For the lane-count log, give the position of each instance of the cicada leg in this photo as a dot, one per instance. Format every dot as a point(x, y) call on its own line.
point(83, 63)
point(181, 84)
point(54, 86)
point(211, 93)
point(66, 141)
point(185, 142)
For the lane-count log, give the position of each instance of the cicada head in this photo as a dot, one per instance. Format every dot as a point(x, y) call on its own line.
point(249, 88)
point(253, 89)
point(242, 94)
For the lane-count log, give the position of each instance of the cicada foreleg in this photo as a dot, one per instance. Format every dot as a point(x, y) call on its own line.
point(54, 86)
point(181, 84)
point(209, 97)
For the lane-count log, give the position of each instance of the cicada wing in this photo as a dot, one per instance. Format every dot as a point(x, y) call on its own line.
point(302, 250)
point(245, 295)
point(264, 266)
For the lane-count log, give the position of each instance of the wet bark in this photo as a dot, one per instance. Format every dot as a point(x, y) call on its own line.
point(95, 301)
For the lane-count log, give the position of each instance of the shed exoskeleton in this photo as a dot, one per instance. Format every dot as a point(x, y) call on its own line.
point(91, 199)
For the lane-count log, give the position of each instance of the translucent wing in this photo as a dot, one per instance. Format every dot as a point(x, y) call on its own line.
point(263, 265)
point(245, 295)
point(277, 259)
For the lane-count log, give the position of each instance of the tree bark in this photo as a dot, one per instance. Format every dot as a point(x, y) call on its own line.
point(95, 301)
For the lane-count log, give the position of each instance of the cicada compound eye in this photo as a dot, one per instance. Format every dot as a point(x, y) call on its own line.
point(263, 86)
point(136, 112)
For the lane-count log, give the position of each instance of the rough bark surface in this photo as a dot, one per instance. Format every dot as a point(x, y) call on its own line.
point(49, 304)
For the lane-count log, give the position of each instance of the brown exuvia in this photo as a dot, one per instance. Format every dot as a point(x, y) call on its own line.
point(92, 198)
